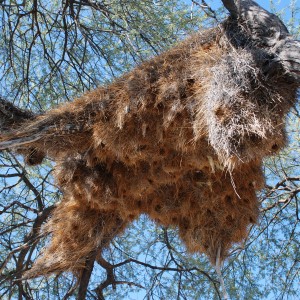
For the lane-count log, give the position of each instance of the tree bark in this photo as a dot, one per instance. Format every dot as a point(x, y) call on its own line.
point(266, 31)
point(86, 275)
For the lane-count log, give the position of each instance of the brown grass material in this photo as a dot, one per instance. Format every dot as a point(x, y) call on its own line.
point(243, 110)
point(180, 138)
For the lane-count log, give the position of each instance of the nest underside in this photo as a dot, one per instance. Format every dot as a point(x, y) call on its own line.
point(180, 138)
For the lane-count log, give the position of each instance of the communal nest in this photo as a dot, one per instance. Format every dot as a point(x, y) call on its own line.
point(180, 138)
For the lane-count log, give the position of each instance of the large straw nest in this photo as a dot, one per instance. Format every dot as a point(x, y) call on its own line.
point(180, 138)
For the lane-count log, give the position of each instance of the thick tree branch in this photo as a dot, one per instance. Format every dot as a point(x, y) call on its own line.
point(231, 7)
point(86, 275)
point(12, 116)
point(266, 31)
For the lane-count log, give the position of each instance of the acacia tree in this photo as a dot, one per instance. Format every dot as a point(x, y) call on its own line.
point(83, 44)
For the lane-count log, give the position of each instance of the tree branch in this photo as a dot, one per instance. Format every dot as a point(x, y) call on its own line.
point(86, 275)
point(231, 7)
point(266, 31)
